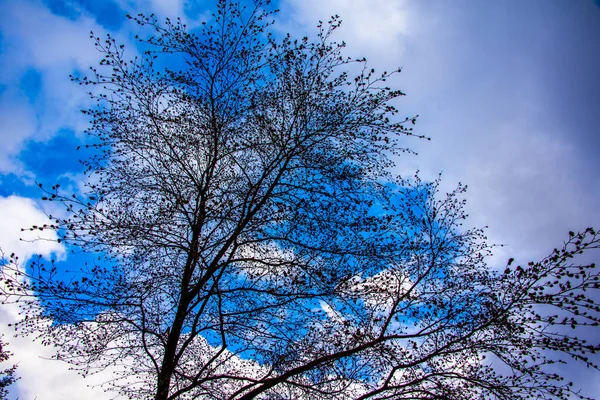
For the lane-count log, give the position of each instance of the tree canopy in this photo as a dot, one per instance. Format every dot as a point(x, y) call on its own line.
point(252, 241)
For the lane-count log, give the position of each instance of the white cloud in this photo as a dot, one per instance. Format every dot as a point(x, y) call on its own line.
point(381, 290)
point(17, 124)
point(40, 377)
point(55, 47)
point(34, 37)
point(483, 99)
point(18, 213)
point(334, 315)
point(491, 81)
point(373, 29)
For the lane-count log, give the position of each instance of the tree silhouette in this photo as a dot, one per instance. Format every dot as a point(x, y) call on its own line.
point(8, 375)
point(252, 242)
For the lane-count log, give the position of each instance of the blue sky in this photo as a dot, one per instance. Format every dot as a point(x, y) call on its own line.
point(509, 92)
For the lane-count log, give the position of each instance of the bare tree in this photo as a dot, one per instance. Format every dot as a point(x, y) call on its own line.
point(252, 243)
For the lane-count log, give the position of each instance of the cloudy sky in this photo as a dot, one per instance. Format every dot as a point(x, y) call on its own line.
point(509, 92)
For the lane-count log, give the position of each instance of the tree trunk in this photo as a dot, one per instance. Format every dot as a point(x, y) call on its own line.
point(168, 364)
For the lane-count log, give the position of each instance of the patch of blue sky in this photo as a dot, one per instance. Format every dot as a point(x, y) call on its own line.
point(63, 8)
point(51, 162)
point(55, 159)
point(287, 327)
point(73, 273)
point(12, 184)
point(31, 84)
point(107, 13)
